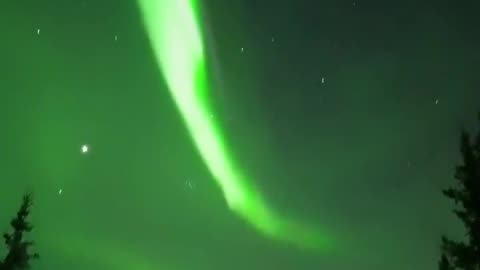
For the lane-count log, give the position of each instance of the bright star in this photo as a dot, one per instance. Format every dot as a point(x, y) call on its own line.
point(84, 148)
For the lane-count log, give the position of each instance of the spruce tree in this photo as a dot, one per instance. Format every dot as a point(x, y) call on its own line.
point(466, 196)
point(444, 263)
point(18, 256)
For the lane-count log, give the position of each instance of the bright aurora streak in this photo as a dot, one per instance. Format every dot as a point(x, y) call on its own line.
point(174, 32)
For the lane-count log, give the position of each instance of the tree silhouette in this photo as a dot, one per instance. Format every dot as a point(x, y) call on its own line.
point(465, 194)
point(18, 256)
point(444, 263)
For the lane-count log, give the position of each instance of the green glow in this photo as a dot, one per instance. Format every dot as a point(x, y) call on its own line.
point(173, 30)
point(97, 252)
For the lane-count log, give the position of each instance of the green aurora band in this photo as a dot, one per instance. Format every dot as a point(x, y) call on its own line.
point(173, 29)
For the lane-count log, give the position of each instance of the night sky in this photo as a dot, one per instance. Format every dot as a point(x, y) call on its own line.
point(344, 114)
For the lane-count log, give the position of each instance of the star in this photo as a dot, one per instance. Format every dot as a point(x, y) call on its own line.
point(84, 148)
point(189, 184)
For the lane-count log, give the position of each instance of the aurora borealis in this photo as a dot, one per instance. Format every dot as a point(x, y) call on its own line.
point(243, 135)
point(176, 39)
